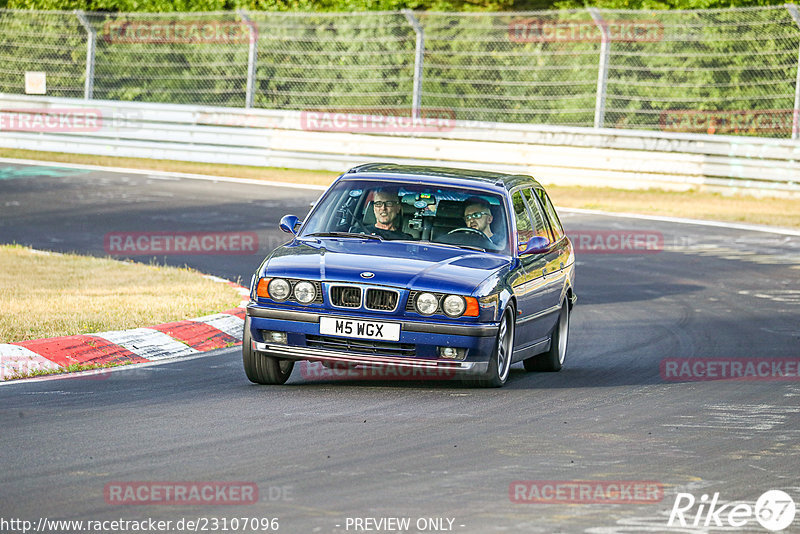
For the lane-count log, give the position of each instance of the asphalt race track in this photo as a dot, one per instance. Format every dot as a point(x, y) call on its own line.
point(326, 452)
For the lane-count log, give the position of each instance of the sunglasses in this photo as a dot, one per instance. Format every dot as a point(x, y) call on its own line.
point(389, 203)
point(476, 215)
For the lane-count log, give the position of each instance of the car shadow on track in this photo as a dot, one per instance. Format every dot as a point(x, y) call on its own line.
point(567, 378)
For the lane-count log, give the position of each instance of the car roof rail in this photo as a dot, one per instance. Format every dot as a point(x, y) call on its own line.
point(369, 166)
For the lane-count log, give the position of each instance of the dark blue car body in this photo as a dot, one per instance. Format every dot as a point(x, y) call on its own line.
point(368, 292)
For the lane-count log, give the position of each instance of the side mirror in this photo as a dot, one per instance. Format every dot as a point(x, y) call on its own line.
point(289, 224)
point(536, 245)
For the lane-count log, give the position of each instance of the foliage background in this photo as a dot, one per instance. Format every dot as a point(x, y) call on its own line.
point(316, 55)
point(370, 5)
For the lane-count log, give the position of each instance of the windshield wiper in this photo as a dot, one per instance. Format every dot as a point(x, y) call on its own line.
point(470, 247)
point(345, 234)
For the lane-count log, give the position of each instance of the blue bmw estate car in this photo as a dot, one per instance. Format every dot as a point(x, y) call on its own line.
point(423, 268)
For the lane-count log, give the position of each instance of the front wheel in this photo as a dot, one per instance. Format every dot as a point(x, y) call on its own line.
point(260, 368)
point(553, 359)
point(500, 362)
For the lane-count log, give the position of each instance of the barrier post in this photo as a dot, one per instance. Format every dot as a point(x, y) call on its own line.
point(796, 112)
point(252, 56)
point(91, 39)
point(416, 100)
point(602, 73)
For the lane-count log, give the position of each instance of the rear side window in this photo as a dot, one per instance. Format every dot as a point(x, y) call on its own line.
point(538, 219)
point(555, 223)
point(524, 227)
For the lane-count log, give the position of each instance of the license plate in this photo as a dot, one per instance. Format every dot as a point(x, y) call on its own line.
point(332, 326)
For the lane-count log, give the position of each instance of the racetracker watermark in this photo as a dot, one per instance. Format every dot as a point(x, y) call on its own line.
point(147, 525)
point(182, 32)
point(565, 31)
point(189, 493)
point(740, 369)
point(314, 370)
point(774, 510)
point(51, 120)
point(76, 120)
point(768, 121)
point(22, 367)
point(585, 491)
point(616, 241)
point(379, 120)
point(238, 119)
point(182, 243)
point(14, 368)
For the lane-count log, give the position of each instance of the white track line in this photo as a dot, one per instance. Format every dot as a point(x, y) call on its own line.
point(165, 174)
point(677, 220)
point(126, 367)
point(680, 220)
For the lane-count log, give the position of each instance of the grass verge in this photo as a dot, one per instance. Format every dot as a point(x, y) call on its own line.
point(783, 212)
point(212, 169)
point(45, 294)
point(692, 204)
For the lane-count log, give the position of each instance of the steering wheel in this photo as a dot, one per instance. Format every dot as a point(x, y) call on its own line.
point(358, 226)
point(468, 229)
point(356, 222)
point(473, 231)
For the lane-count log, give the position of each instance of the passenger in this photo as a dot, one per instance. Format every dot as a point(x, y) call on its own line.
point(388, 220)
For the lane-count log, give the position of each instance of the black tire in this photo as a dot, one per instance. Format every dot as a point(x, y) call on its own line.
point(500, 362)
point(552, 360)
point(260, 368)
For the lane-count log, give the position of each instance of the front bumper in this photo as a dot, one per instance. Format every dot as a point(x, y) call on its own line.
point(308, 353)
point(477, 339)
point(478, 330)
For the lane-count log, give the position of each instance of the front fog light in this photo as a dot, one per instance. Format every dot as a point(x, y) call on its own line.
point(452, 353)
point(270, 336)
point(427, 303)
point(304, 292)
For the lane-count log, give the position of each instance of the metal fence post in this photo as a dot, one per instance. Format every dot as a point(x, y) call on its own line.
point(416, 101)
point(602, 73)
point(91, 39)
point(796, 112)
point(252, 56)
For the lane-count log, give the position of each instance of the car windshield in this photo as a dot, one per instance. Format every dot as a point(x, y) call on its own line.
point(461, 217)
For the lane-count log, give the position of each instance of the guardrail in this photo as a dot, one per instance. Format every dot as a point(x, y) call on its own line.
point(578, 68)
point(335, 141)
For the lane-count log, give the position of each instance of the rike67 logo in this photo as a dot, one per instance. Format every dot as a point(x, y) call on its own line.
point(774, 510)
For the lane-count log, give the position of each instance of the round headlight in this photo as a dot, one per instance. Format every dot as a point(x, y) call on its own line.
point(279, 289)
point(304, 292)
point(454, 306)
point(427, 303)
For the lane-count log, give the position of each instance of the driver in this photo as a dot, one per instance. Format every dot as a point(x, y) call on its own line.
point(478, 216)
point(386, 205)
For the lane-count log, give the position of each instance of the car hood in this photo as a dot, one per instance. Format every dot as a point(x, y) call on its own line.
point(400, 264)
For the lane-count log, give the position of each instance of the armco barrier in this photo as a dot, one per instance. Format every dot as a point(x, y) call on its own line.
point(587, 156)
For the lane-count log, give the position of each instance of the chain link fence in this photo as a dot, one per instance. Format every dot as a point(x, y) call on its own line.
point(732, 71)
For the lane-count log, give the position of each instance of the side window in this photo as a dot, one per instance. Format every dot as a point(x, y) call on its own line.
point(539, 224)
point(555, 223)
point(524, 228)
